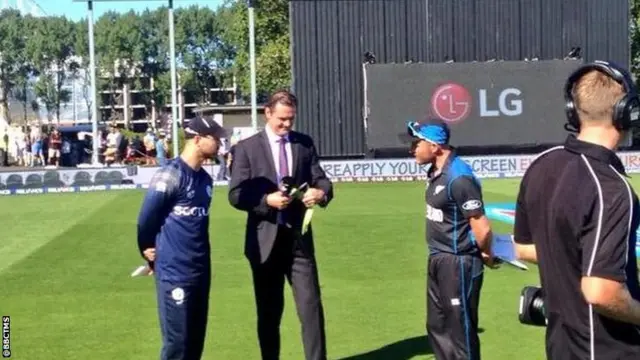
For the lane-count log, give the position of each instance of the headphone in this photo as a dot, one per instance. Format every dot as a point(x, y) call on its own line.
point(626, 112)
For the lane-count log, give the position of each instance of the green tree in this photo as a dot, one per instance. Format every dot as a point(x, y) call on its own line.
point(51, 46)
point(26, 70)
point(197, 44)
point(12, 56)
point(119, 43)
point(273, 59)
point(46, 89)
point(81, 65)
point(154, 26)
point(22, 88)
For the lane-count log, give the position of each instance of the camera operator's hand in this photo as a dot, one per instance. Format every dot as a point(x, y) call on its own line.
point(278, 200)
point(312, 197)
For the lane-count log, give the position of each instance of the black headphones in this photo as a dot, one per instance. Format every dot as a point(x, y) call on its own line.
point(626, 112)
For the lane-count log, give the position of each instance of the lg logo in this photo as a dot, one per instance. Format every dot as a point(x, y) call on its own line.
point(453, 102)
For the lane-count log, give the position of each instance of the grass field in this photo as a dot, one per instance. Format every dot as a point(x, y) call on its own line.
point(66, 259)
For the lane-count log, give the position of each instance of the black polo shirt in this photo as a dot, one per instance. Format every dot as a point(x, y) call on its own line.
point(577, 207)
point(453, 195)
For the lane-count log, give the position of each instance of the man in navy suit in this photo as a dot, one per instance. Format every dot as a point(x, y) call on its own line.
point(274, 243)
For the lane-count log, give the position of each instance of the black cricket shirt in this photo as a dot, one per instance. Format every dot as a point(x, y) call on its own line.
point(453, 195)
point(577, 207)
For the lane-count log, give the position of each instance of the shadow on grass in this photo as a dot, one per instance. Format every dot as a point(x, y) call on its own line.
point(399, 350)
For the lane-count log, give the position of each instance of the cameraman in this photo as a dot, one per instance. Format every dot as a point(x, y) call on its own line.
point(576, 216)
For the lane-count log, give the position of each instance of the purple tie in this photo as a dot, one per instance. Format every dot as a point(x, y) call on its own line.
point(284, 171)
point(284, 166)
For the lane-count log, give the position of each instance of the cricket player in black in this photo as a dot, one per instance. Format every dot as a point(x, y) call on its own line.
point(173, 236)
point(459, 240)
point(577, 216)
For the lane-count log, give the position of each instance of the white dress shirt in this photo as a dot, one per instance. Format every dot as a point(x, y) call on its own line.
point(274, 143)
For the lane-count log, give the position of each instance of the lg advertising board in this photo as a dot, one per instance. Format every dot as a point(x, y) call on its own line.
point(485, 103)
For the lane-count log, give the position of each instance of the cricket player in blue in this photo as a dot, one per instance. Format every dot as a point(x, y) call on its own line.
point(458, 235)
point(173, 236)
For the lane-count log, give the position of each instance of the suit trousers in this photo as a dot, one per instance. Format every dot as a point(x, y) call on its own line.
point(453, 297)
point(289, 260)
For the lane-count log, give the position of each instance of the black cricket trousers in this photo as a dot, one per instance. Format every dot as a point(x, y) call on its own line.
point(454, 283)
point(183, 311)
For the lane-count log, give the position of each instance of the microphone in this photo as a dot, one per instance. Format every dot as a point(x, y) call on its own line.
point(287, 186)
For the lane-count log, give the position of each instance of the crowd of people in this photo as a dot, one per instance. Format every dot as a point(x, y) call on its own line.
point(44, 146)
point(30, 146)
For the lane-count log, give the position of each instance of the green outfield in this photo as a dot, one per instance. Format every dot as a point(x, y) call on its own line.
point(66, 259)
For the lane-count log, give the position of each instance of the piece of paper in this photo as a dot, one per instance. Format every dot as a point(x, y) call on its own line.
point(504, 250)
point(143, 270)
point(502, 247)
point(308, 214)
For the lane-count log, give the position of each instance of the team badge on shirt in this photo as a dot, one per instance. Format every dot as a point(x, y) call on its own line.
point(209, 190)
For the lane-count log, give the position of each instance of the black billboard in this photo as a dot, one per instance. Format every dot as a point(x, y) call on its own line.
point(503, 103)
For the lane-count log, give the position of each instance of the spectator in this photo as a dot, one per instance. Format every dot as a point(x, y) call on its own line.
point(28, 157)
point(37, 146)
point(150, 147)
point(21, 146)
point(55, 145)
point(114, 140)
point(161, 150)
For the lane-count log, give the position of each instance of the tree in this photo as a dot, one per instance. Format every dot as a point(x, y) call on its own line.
point(12, 56)
point(120, 44)
point(25, 72)
point(47, 90)
point(197, 42)
point(22, 87)
point(273, 59)
point(80, 67)
point(154, 26)
point(51, 46)
point(39, 55)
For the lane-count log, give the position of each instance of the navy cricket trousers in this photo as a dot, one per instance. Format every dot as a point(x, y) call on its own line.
point(453, 296)
point(183, 311)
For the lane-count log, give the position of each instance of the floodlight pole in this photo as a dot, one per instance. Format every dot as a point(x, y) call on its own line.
point(252, 63)
point(94, 87)
point(174, 85)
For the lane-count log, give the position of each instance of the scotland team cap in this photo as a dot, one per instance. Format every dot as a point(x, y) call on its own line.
point(201, 126)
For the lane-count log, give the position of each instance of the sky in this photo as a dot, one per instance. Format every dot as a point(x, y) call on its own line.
point(78, 10)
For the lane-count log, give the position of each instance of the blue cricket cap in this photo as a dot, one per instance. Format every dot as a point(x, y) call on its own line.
point(436, 132)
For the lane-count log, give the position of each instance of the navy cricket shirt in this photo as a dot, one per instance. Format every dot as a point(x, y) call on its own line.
point(175, 219)
point(452, 196)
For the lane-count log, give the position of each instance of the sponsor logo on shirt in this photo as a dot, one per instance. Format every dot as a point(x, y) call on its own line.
point(472, 205)
point(434, 214)
point(190, 211)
